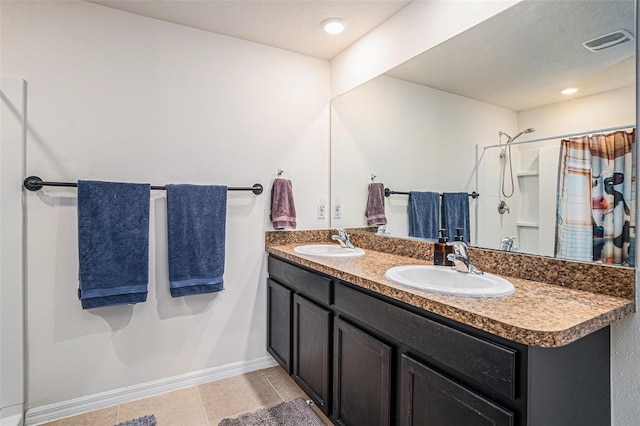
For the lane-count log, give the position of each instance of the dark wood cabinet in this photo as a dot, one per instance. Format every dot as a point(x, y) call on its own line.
point(279, 299)
point(312, 350)
point(361, 378)
point(366, 359)
point(428, 398)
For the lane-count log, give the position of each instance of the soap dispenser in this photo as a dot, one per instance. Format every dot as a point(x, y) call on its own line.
point(458, 236)
point(440, 250)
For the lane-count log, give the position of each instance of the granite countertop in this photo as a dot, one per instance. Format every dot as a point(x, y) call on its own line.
point(536, 314)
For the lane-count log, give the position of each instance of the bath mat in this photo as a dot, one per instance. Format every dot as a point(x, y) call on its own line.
point(149, 420)
point(292, 413)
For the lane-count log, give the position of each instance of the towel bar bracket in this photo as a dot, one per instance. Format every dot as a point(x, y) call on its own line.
point(256, 189)
point(34, 183)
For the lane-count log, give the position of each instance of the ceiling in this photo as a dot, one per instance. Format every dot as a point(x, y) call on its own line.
point(287, 24)
point(521, 58)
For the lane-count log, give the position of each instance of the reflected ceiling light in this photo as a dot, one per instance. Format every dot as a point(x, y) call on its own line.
point(569, 90)
point(333, 25)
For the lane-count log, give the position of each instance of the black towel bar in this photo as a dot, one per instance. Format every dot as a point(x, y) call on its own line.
point(34, 183)
point(388, 192)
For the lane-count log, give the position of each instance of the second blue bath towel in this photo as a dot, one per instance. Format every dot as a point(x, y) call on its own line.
point(196, 220)
point(455, 214)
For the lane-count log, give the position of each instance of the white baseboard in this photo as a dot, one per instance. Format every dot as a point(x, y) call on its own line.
point(59, 410)
point(12, 415)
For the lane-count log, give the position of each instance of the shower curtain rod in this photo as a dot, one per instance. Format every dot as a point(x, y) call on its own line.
point(388, 192)
point(568, 135)
point(34, 183)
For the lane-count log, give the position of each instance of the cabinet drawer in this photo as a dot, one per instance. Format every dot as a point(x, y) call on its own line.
point(313, 285)
point(486, 363)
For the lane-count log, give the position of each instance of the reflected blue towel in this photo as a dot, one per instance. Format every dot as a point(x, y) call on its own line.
point(424, 214)
point(113, 243)
point(196, 219)
point(455, 214)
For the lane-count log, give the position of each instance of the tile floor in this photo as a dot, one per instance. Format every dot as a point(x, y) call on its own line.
point(203, 405)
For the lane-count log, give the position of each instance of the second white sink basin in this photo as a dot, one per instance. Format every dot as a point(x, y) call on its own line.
point(443, 279)
point(328, 250)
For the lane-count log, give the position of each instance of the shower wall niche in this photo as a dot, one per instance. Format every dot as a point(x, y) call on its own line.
point(536, 178)
point(532, 208)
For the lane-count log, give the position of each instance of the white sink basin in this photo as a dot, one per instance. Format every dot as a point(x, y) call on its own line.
point(328, 250)
point(443, 279)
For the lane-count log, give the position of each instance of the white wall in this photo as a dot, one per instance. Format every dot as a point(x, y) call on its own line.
point(416, 28)
point(115, 96)
point(411, 137)
point(608, 109)
point(12, 144)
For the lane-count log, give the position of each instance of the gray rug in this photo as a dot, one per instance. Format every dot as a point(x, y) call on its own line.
point(292, 413)
point(149, 420)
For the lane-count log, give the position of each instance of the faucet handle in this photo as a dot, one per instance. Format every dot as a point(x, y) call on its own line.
point(460, 258)
point(460, 248)
point(343, 238)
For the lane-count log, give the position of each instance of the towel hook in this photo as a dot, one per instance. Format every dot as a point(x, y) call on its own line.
point(373, 177)
point(280, 172)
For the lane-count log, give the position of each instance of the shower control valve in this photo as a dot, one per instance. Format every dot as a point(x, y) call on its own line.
point(503, 207)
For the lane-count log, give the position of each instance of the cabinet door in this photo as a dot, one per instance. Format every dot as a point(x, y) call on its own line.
point(279, 323)
point(428, 398)
point(362, 377)
point(312, 350)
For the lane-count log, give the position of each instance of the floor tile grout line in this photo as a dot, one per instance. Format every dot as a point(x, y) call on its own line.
point(272, 386)
point(204, 410)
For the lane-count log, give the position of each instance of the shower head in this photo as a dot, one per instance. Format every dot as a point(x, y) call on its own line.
point(511, 139)
point(503, 166)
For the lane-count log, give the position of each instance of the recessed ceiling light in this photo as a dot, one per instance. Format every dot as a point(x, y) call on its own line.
point(333, 25)
point(569, 90)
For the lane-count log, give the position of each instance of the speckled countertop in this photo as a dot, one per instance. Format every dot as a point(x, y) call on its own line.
point(536, 314)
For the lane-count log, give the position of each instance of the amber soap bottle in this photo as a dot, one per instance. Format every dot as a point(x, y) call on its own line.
point(440, 250)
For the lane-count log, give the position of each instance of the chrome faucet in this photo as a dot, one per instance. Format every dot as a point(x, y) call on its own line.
point(343, 239)
point(382, 230)
point(507, 244)
point(460, 258)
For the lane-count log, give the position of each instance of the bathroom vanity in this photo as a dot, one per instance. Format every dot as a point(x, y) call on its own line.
point(370, 352)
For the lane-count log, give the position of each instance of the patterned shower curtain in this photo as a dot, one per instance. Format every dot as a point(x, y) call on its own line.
point(595, 206)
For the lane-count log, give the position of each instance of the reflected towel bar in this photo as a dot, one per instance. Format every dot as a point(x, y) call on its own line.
point(34, 183)
point(388, 192)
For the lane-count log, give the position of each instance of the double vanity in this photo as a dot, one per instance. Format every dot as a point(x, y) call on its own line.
point(370, 346)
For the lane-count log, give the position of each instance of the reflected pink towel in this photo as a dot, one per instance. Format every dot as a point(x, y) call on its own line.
point(283, 209)
point(375, 205)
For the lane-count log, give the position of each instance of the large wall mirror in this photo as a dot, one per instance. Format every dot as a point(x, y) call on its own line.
point(441, 122)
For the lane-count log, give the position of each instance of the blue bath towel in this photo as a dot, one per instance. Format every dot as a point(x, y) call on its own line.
point(113, 243)
point(455, 214)
point(424, 214)
point(196, 219)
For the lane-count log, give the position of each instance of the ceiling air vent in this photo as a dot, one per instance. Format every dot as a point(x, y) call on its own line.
point(608, 40)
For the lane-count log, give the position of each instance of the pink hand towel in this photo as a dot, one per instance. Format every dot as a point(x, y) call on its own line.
point(283, 209)
point(375, 205)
